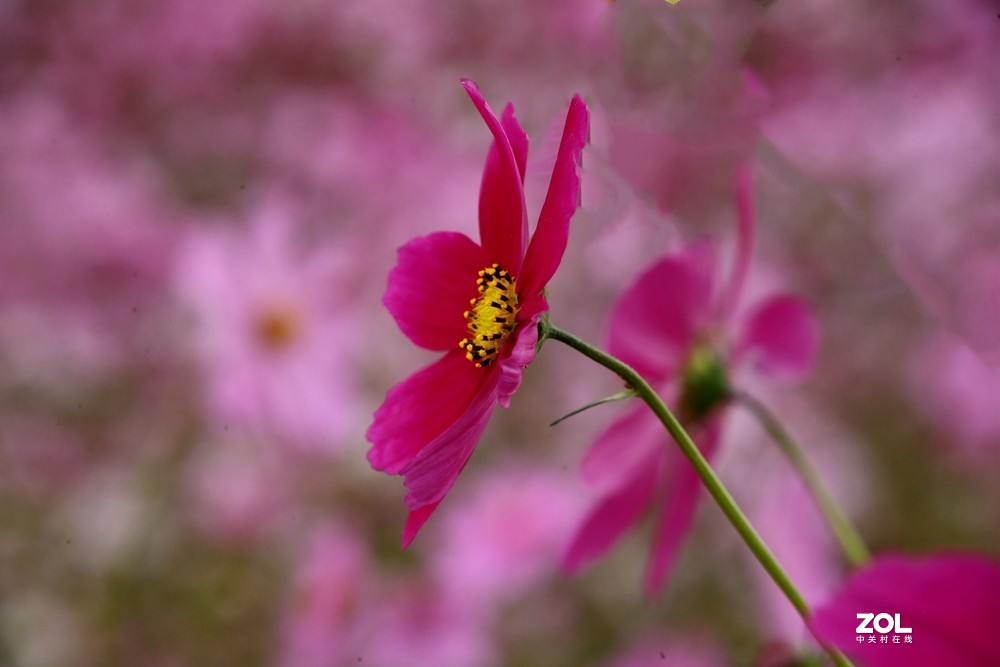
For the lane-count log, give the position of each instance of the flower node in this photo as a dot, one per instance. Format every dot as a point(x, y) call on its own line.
point(492, 316)
point(704, 383)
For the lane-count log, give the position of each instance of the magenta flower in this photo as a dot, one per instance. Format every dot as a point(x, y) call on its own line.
point(949, 604)
point(673, 326)
point(480, 303)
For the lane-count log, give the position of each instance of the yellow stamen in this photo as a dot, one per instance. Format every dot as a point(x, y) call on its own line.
point(492, 317)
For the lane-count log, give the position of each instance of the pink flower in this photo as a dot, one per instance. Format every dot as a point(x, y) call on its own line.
point(235, 491)
point(949, 603)
point(420, 624)
point(328, 603)
point(429, 424)
point(956, 390)
point(672, 325)
point(503, 538)
point(269, 330)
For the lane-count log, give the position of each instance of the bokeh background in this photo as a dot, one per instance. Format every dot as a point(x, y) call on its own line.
point(199, 203)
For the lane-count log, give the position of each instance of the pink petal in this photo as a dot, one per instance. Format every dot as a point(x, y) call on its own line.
point(521, 349)
point(612, 516)
point(563, 198)
point(522, 353)
point(415, 520)
point(430, 287)
point(780, 337)
point(744, 242)
point(432, 473)
point(951, 603)
point(518, 139)
point(503, 222)
point(420, 408)
point(628, 442)
point(682, 494)
point(655, 321)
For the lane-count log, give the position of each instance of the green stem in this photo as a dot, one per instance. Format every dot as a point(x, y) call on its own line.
point(850, 541)
point(715, 487)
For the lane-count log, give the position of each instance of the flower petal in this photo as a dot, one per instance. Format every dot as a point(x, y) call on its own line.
point(520, 351)
point(682, 495)
point(420, 408)
point(415, 520)
point(780, 337)
point(518, 139)
point(503, 221)
point(628, 442)
point(656, 319)
point(612, 516)
point(433, 472)
point(563, 198)
point(430, 287)
point(746, 224)
point(950, 602)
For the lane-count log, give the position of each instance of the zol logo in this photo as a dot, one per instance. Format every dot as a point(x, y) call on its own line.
point(881, 623)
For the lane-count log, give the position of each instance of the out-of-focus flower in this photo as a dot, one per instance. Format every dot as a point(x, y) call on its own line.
point(957, 391)
point(420, 624)
point(327, 608)
point(105, 516)
point(949, 603)
point(342, 612)
point(38, 458)
point(236, 491)
point(506, 536)
point(906, 149)
point(270, 329)
point(673, 326)
point(678, 147)
point(83, 251)
point(684, 160)
point(429, 424)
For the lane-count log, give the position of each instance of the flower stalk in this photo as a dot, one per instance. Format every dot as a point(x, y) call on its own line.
point(711, 480)
point(850, 541)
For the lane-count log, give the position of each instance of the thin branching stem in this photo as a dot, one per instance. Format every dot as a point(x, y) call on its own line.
point(854, 547)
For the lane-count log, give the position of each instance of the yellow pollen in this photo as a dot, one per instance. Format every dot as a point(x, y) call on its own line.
point(492, 316)
point(278, 326)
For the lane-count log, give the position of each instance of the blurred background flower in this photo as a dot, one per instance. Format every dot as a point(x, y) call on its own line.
point(198, 207)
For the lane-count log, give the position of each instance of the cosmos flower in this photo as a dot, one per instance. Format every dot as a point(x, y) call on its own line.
point(675, 326)
point(268, 328)
point(480, 304)
point(948, 602)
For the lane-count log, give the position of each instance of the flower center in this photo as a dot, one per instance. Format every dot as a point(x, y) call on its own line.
point(278, 327)
point(492, 316)
point(704, 383)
